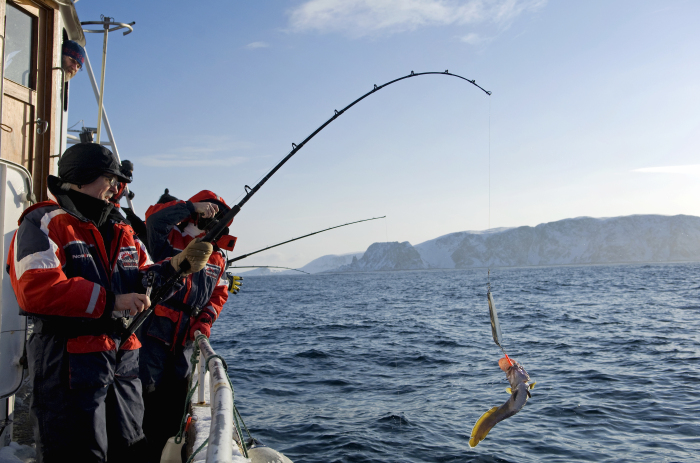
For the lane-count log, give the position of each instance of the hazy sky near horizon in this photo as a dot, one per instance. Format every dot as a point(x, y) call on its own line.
point(594, 112)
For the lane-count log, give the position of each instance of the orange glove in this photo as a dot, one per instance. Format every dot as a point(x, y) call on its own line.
point(197, 253)
point(202, 323)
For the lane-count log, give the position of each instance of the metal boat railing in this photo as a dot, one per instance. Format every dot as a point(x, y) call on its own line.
point(220, 445)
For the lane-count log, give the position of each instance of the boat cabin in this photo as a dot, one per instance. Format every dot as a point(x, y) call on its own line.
point(33, 111)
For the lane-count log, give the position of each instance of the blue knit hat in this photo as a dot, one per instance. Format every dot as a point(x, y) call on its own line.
point(75, 51)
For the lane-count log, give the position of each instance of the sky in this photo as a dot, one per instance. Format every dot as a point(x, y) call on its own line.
point(594, 111)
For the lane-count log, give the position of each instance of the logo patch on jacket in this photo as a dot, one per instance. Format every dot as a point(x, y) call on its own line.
point(128, 257)
point(212, 271)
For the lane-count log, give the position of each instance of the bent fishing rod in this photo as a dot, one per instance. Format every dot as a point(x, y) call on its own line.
point(217, 229)
point(243, 256)
point(270, 266)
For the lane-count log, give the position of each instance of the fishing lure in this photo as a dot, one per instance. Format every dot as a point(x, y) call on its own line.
point(518, 378)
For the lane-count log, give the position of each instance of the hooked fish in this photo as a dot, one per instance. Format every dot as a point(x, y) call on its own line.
point(519, 391)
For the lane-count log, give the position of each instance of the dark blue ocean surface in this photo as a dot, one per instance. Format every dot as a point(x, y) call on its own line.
point(397, 367)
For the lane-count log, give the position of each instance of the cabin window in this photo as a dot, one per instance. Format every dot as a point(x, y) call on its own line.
point(19, 46)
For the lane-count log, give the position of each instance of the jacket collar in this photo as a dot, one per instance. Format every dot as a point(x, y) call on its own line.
point(66, 202)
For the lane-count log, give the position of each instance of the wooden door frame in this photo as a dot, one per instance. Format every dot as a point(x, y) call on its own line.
point(48, 56)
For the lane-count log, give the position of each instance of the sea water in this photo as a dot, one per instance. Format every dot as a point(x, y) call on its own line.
point(398, 366)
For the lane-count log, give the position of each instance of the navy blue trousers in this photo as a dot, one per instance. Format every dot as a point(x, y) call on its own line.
point(164, 375)
point(85, 407)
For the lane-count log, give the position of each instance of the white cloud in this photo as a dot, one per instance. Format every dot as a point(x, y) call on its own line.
point(254, 45)
point(365, 17)
point(215, 151)
point(691, 169)
point(473, 39)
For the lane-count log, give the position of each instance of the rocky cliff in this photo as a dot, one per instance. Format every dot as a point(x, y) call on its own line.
point(386, 256)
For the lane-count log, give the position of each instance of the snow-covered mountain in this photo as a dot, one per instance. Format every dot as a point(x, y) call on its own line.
point(386, 256)
point(437, 253)
point(329, 262)
point(583, 240)
point(258, 272)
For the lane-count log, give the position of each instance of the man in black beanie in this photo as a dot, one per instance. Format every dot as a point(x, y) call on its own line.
point(77, 270)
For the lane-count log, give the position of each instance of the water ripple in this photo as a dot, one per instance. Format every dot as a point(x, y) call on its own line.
point(397, 367)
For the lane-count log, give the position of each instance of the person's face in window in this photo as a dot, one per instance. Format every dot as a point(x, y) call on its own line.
point(70, 66)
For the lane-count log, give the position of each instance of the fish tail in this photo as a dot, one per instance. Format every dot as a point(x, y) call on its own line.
point(481, 428)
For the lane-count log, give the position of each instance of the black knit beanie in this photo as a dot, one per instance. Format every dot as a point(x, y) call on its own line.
point(83, 163)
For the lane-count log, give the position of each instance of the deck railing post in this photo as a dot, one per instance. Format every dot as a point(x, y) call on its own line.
point(220, 446)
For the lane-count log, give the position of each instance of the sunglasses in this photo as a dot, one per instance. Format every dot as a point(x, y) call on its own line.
point(113, 181)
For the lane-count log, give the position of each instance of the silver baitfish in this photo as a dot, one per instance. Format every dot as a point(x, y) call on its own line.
point(519, 391)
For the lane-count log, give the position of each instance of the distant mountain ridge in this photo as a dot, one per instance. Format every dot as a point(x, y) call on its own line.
point(322, 264)
point(581, 240)
point(385, 256)
point(330, 262)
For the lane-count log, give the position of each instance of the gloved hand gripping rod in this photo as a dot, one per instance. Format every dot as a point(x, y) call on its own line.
point(212, 235)
point(217, 229)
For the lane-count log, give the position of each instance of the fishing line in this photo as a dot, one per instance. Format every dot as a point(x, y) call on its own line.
point(489, 220)
point(493, 315)
point(268, 266)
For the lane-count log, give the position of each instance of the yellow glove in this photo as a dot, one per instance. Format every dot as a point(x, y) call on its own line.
point(234, 283)
point(197, 254)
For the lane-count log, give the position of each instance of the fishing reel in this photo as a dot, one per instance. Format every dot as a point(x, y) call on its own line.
point(222, 239)
point(209, 223)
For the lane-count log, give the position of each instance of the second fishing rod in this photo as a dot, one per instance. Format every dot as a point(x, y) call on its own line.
point(233, 279)
point(221, 225)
